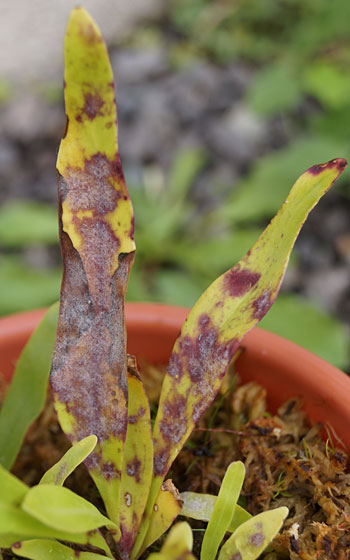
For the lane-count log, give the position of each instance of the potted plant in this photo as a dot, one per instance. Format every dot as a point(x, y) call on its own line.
point(98, 393)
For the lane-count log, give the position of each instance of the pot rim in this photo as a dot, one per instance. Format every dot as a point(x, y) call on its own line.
point(265, 358)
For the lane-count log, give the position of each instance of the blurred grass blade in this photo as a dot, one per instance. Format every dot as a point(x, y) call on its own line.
point(26, 395)
point(69, 462)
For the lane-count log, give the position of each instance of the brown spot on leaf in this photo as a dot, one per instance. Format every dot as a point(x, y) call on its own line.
point(238, 282)
point(160, 461)
point(132, 419)
point(236, 556)
point(127, 499)
point(261, 305)
point(92, 106)
point(133, 468)
point(173, 425)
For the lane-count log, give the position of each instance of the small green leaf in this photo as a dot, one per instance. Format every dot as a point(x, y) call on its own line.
point(201, 506)
point(43, 549)
point(13, 490)
point(251, 538)
point(69, 462)
point(16, 524)
point(62, 509)
point(26, 396)
point(223, 510)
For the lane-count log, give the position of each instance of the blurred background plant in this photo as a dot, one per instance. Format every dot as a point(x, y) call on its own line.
point(222, 105)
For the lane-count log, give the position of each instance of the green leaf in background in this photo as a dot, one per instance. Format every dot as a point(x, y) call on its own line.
point(223, 510)
point(305, 324)
point(69, 462)
point(42, 549)
point(26, 396)
point(25, 222)
point(24, 287)
point(263, 190)
point(276, 88)
point(318, 76)
point(176, 286)
point(63, 510)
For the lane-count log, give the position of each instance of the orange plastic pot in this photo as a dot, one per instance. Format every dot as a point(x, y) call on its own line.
point(285, 369)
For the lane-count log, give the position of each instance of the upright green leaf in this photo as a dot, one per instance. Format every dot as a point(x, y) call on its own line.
point(26, 396)
point(69, 462)
point(88, 376)
point(223, 510)
point(225, 312)
point(138, 463)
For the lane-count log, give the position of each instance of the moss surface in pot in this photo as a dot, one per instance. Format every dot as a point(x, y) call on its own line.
point(96, 388)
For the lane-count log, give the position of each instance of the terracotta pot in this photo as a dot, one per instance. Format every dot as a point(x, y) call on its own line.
point(284, 368)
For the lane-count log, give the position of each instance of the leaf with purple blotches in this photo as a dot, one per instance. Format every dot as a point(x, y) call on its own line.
point(88, 376)
point(231, 306)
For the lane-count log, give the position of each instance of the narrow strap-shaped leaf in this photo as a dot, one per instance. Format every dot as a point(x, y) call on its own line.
point(88, 377)
point(60, 508)
point(26, 395)
point(12, 490)
point(225, 312)
point(166, 509)
point(69, 462)
point(223, 510)
point(251, 538)
point(201, 506)
point(43, 549)
point(138, 462)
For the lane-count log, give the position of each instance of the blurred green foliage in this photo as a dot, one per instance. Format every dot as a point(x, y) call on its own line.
point(299, 52)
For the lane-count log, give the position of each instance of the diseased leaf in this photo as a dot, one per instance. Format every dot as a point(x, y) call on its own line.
point(88, 376)
point(221, 517)
point(251, 538)
point(201, 506)
point(26, 395)
point(69, 462)
point(138, 460)
point(225, 312)
point(165, 510)
point(62, 509)
point(43, 549)
point(13, 490)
